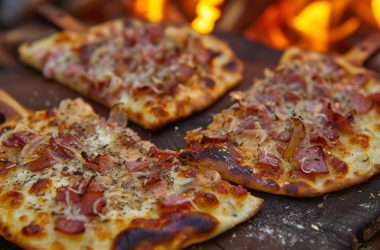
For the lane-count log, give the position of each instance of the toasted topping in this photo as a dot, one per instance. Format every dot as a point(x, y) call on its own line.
point(100, 163)
point(295, 140)
point(68, 226)
point(268, 159)
point(205, 199)
point(88, 202)
point(361, 103)
point(13, 198)
point(45, 160)
point(32, 230)
point(311, 160)
point(209, 178)
point(239, 191)
point(19, 139)
point(135, 166)
point(40, 186)
point(176, 200)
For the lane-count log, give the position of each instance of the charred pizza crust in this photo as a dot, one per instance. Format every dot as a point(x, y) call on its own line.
point(160, 72)
point(69, 180)
point(308, 127)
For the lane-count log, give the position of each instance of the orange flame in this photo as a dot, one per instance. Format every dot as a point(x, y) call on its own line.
point(314, 24)
point(375, 5)
point(207, 14)
point(153, 10)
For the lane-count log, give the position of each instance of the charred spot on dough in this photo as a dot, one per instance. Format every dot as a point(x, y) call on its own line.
point(297, 188)
point(32, 230)
point(267, 183)
point(205, 199)
point(239, 191)
point(231, 65)
point(5, 231)
point(208, 82)
point(159, 111)
point(221, 156)
point(340, 166)
point(13, 198)
point(360, 139)
point(23, 218)
point(185, 227)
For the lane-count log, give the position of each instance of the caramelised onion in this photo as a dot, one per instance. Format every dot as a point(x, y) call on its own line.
point(297, 135)
point(209, 178)
point(118, 114)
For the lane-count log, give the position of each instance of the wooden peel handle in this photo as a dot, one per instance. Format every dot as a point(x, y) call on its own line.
point(364, 50)
point(60, 18)
point(10, 109)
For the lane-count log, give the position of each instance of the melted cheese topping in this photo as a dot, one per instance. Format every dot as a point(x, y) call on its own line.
point(333, 103)
point(131, 179)
point(158, 70)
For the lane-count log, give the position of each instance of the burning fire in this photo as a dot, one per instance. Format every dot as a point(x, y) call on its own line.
point(311, 24)
point(207, 14)
point(153, 10)
point(375, 5)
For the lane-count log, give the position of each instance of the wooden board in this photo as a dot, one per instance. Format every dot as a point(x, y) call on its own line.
point(328, 222)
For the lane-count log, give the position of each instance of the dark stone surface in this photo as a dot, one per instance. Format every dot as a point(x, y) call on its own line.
point(328, 222)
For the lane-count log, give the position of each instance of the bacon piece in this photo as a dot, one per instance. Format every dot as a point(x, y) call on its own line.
point(85, 53)
point(330, 118)
point(32, 229)
point(247, 123)
point(5, 167)
point(99, 184)
point(361, 103)
point(152, 180)
point(45, 160)
point(155, 31)
point(205, 56)
point(268, 159)
point(185, 72)
point(68, 141)
point(40, 186)
point(130, 36)
point(375, 98)
point(92, 203)
point(291, 96)
point(87, 198)
point(60, 151)
point(68, 226)
point(136, 166)
point(64, 194)
point(312, 160)
point(19, 139)
point(213, 138)
point(268, 123)
point(175, 200)
point(100, 163)
point(165, 157)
